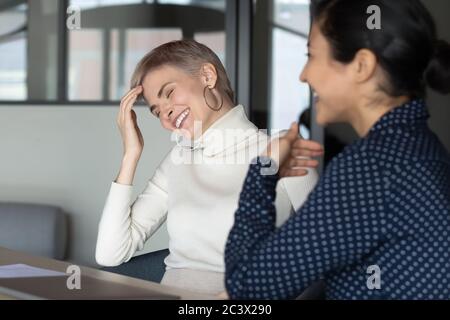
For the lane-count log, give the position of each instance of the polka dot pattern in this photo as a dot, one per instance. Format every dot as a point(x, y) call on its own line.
point(384, 201)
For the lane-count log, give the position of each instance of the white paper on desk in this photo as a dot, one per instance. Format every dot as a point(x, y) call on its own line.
point(26, 271)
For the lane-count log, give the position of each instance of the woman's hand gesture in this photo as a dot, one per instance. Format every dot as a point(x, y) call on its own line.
point(133, 141)
point(293, 154)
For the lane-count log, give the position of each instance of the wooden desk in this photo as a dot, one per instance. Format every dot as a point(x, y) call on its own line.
point(8, 257)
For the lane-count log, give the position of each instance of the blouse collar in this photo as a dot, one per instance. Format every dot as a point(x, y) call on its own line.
point(228, 131)
point(410, 113)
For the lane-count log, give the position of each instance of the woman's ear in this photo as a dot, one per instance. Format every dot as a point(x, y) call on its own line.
point(364, 65)
point(208, 75)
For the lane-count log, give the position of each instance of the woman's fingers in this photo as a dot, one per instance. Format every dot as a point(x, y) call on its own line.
point(137, 90)
point(297, 167)
point(135, 122)
point(129, 104)
point(302, 163)
point(131, 98)
point(308, 145)
point(130, 115)
point(123, 102)
point(134, 117)
point(307, 148)
point(128, 101)
point(306, 153)
point(289, 172)
point(132, 138)
point(293, 132)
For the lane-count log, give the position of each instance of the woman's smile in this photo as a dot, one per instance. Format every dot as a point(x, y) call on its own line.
point(181, 119)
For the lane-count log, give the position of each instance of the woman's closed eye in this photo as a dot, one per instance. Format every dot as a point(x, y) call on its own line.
point(155, 112)
point(169, 93)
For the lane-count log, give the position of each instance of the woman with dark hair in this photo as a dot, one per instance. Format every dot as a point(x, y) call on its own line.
point(377, 225)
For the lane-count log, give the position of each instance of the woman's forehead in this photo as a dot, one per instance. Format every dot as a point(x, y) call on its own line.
point(163, 74)
point(315, 36)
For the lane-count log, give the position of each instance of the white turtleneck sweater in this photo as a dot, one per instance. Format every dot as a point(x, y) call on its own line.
point(197, 191)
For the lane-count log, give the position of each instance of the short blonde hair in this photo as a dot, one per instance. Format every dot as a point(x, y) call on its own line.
point(187, 55)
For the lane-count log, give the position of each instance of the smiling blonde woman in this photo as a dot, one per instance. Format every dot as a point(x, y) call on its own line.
point(184, 84)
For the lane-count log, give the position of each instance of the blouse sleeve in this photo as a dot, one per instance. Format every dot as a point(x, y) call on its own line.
point(126, 225)
point(334, 228)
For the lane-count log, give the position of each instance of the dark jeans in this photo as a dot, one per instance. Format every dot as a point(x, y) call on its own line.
point(148, 267)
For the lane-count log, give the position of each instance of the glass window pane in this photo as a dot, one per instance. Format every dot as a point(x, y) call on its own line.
point(290, 97)
point(13, 19)
point(85, 65)
point(13, 70)
point(121, 46)
point(214, 4)
point(214, 40)
point(292, 14)
point(13, 53)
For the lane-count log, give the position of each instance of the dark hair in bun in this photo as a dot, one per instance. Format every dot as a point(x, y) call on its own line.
point(406, 46)
point(437, 75)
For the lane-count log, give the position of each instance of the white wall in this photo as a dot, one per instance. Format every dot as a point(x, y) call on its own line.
point(68, 156)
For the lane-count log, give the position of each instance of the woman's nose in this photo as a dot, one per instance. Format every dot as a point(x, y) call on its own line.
point(168, 111)
point(303, 76)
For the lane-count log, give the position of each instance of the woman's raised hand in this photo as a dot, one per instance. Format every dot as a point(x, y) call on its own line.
point(300, 158)
point(133, 142)
point(294, 154)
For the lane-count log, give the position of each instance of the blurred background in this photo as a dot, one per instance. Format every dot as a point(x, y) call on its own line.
point(60, 87)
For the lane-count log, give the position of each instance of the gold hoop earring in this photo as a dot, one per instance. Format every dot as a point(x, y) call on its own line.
point(209, 106)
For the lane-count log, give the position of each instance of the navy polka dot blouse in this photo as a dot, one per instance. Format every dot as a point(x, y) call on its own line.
point(377, 225)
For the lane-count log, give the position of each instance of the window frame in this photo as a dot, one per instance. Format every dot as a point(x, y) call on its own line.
point(238, 30)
